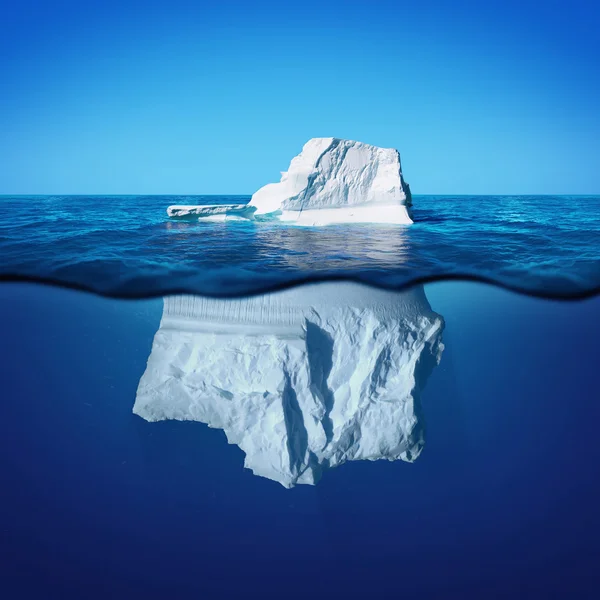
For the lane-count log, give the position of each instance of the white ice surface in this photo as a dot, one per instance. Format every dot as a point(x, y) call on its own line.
point(393, 214)
point(301, 380)
point(210, 210)
point(330, 181)
point(335, 175)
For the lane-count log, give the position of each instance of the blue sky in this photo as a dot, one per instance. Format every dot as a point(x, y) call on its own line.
point(195, 98)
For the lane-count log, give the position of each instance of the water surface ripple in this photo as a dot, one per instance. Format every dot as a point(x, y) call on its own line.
point(126, 246)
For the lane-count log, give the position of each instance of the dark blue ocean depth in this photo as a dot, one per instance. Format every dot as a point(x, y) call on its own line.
point(126, 245)
point(97, 503)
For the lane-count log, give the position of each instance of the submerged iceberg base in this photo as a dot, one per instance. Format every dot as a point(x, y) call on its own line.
point(301, 380)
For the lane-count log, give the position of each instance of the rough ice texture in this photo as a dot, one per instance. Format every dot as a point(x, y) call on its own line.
point(301, 380)
point(209, 210)
point(349, 181)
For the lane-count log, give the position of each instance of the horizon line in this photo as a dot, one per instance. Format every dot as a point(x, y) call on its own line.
point(138, 194)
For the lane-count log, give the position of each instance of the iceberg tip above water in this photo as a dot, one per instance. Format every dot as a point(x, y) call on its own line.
point(330, 181)
point(338, 181)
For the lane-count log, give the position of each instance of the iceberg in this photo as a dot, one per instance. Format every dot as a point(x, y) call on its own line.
point(338, 181)
point(330, 181)
point(301, 380)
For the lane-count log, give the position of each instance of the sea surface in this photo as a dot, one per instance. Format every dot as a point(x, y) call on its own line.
point(125, 246)
point(96, 502)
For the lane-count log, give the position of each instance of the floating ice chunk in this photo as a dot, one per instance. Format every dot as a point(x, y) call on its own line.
point(349, 181)
point(301, 380)
point(330, 181)
point(211, 211)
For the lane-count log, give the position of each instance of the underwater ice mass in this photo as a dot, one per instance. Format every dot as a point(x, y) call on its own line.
point(302, 380)
point(330, 181)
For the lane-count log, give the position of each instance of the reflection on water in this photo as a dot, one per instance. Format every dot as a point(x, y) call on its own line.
point(334, 248)
point(301, 380)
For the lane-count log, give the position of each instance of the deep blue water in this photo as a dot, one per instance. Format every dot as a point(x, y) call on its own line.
point(97, 503)
point(126, 245)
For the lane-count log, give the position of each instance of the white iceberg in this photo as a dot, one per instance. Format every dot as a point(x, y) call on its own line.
point(301, 380)
point(338, 181)
point(330, 181)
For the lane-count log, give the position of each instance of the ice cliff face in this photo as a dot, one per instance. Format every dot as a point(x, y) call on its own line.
point(301, 380)
point(338, 181)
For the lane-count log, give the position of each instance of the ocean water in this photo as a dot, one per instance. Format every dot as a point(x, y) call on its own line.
point(125, 245)
point(502, 502)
